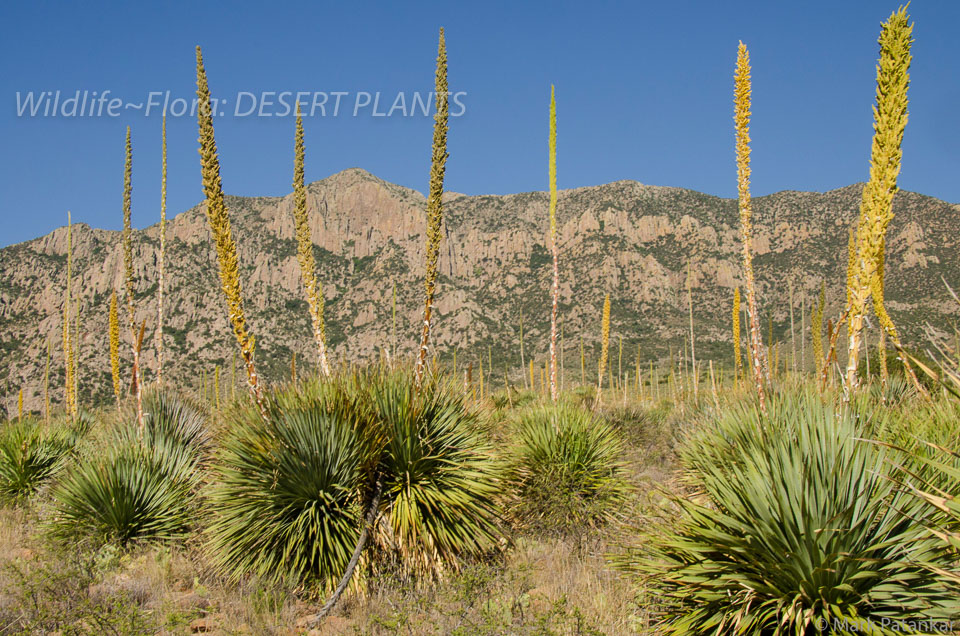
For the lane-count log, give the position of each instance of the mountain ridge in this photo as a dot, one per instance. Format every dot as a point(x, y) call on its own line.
point(625, 238)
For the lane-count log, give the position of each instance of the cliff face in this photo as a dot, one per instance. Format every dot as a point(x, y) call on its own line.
point(624, 238)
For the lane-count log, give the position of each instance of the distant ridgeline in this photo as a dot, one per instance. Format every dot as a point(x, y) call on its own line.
point(630, 240)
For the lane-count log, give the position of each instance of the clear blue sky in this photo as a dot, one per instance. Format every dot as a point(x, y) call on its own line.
point(644, 92)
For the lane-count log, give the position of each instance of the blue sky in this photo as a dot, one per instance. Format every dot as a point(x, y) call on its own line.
point(644, 92)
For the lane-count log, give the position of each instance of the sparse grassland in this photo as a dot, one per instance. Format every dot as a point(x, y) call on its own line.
point(415, 496)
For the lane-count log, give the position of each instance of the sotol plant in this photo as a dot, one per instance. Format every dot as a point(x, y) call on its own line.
point(129, 284)
point(737, 359)
point(876, 207)
point(115, 347)
point(311, 285)
point(799, 523)
point(434, 205)
point(604, 347)
point(554, 248)
point(29, 455)
point(140, 485)
point(742, 123)
point(299, 493)
point(816, 329)
point(163, 251)
point(564, 471)
point(219, 219)
point(69, 363)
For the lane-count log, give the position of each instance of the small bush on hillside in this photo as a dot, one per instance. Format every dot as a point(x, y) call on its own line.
point(291, 491)
point(798, 522)
point(138, 485)
point(31, 453)
point(565, 470)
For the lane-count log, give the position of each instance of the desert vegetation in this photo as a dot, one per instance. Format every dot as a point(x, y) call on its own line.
point(413, 495)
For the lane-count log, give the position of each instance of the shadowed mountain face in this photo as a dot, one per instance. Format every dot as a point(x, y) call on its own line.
point(630, 240)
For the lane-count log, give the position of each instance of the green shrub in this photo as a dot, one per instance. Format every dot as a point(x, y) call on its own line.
point(135, 486)
point(30, 454)
point(565, 470)
point(440, 480)
point(172, 419)
point(290, 491)
point(285, 498)
point(798, 523)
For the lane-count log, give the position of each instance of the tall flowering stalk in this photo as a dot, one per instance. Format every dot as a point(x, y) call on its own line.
point(604, 347)
point(76, 356)
point(127, 241)
point(742, 123)
point(816, 329)
point(876, 207)
point(523, 365)
point(158, 341)
point(69, 360)
point(218, 218)
point(434, 205)
point(46, 385)
point(311, 285)
point(737, 358)
point(693, 350)
point(554, 248)
point(115, 347)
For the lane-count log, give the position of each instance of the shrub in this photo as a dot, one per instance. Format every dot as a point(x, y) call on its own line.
point(285, 491)
point(565, 470)
point(132, 488)
point(291, 490)
point(440, 479)
point(798, 523)
point(173, 421)
point(29, 454)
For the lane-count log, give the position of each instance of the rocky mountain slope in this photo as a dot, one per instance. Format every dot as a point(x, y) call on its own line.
point(631, 240)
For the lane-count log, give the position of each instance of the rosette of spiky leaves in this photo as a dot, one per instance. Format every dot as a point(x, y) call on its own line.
point(285, 491)
point(440, 479)
point(173, 420)
point(139, 486)
point(565, 471)
point(127, 492)
point(799, 523)
point(938, 485)
point(29, 455)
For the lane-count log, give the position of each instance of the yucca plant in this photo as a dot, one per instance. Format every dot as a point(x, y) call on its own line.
point(114, 335)
point(741, 99)
point(434, 204)
point(140, 486)
point(296, 494)
point(285, 498)
point(30, 454)
point(554, 247)
point(312, 287)
point(865, 276)
point(161, 260)
point(565, 470)
point(799, 527)
point(218, 218)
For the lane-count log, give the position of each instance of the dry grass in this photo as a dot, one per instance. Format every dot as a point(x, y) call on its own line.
point(537, 585)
